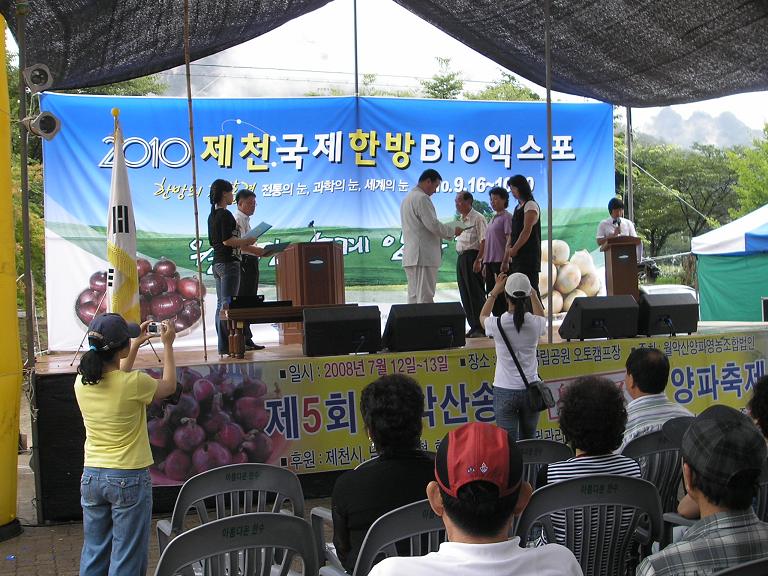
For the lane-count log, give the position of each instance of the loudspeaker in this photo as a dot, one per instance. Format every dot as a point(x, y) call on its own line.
point(668, 314)
point(425, 327)
point(600, 317)
point(341, 330)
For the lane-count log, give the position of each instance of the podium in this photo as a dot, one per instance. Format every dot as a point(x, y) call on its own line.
point(309, 273)
point(621, 266)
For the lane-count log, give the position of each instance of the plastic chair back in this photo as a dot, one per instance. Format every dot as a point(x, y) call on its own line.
point(660, 464)
point(537, 452)
point(755, 568)
point(413, 526)
point(256, 544)
point(234, 489)
point(605, 519)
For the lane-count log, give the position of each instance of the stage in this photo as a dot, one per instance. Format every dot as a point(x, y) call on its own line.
point(302, 413)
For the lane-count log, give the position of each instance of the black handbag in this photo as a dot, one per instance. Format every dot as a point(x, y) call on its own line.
point(539, 396)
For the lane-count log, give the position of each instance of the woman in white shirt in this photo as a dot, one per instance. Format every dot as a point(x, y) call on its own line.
point(523, 330)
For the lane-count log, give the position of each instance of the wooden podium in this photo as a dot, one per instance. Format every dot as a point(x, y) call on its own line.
point(621, 266)
point(309, 273)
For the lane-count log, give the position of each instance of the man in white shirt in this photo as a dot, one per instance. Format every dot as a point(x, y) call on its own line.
point(478, 488)
point(470, 245)
point(647, 375)
point(249, 264)
point(617, 225)
point(422, 238)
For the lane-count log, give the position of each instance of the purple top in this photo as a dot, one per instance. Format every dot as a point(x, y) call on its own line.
point(496, 234)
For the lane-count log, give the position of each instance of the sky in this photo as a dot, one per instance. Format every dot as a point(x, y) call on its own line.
point(321, 54)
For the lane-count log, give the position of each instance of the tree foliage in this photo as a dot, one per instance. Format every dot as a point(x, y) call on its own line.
point(506, 88)
point(446, 84)
point(751, 168)
point(680, 191)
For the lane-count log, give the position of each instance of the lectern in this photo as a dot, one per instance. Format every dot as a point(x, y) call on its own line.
point(621, 266)
point(309, 273)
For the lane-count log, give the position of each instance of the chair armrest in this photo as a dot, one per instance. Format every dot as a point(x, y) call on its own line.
point(677, 520)
point(163, 534)
point(319, 515)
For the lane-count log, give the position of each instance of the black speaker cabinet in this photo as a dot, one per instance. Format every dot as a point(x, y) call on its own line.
point(425, 327)
point(341, 330)
point(668, 314)
point(600, 317)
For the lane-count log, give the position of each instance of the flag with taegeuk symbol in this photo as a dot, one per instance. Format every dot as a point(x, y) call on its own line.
point(122, 276)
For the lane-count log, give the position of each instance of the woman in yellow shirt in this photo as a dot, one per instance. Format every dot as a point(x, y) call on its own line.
point(116, 489)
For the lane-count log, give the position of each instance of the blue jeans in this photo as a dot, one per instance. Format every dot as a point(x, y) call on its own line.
point(513, 413)
point(117, 517)
point(227, 276)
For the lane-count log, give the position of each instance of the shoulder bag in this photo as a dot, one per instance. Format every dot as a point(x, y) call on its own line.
point(539, 396)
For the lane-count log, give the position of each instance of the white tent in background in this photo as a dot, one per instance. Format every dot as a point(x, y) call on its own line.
point(733, 267)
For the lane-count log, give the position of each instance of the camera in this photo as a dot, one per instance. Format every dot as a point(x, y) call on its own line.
point(154, 328)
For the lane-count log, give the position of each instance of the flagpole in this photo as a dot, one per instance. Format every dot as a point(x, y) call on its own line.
point(194, 174)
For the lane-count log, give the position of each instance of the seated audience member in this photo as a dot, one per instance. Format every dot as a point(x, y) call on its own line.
point(758, 405)
point(392, 407)
point(723, 455)
point(647, 375)
point(758, 410)
point(592, 419)
point(478, 489)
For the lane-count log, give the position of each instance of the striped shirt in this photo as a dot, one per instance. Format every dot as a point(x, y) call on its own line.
point(585, 466)
point(647, 414)
point(712, 544)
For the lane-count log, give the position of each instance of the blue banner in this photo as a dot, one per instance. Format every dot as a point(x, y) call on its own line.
point(344, 164)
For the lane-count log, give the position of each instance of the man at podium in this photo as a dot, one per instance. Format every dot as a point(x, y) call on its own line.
point(617, 225)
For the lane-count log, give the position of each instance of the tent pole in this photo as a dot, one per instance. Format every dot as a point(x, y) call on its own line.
point(548, 74)
point(29, 303)
point(630, 193)
point(194, 174)
point(354, 27)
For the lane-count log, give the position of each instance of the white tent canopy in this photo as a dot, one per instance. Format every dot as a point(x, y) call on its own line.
point(748, 234)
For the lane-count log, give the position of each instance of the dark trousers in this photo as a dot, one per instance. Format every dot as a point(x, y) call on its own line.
point(493, 269)
point(470, 288)
point(249, 284)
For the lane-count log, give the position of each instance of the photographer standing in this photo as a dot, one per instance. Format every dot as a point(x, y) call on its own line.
point(116, 489)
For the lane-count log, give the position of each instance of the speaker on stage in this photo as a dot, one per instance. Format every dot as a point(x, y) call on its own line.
point(425, 327)
point(668, 314)
point(341, 330)
point(600, 317)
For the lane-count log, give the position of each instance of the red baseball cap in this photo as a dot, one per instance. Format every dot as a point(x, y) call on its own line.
point(478, 452)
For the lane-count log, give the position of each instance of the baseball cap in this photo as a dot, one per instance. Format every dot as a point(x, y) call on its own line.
point(518, 285)
point(478, 452)
point(110, 331)
point(720, 443)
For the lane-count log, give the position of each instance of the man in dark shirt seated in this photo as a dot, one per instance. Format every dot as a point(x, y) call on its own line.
point(392, 409)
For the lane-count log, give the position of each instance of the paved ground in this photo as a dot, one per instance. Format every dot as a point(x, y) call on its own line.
point(54, 550)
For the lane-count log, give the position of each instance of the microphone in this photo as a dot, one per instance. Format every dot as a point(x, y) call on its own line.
point(617, 222)
point(314, 232)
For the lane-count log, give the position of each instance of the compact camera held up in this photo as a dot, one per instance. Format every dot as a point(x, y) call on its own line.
point(155, 328)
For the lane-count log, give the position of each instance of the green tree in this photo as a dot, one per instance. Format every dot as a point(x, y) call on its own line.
point(446, 84)
point(680, 191)
point(751, 168)
point(506, 88)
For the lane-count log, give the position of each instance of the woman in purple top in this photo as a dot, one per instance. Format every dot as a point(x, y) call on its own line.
point(497, 242)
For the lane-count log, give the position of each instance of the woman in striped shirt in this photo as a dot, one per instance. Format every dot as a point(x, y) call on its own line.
point(592, 418)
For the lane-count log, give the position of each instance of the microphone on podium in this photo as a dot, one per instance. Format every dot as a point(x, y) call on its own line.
point(314, 232)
